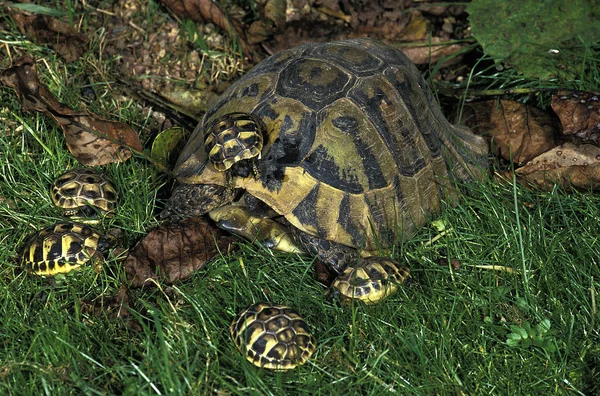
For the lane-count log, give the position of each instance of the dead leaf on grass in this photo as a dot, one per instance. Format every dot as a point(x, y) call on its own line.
point(324, 274)
point(45, 30)
point(113, 307)
point(579, 113)
point(91, 139)
point(568, 165)
point(208, 11)
point(519, 132)
point(173, 252)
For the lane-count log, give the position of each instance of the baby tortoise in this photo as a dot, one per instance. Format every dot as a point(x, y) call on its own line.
point(83, 194)
point(372, 281)
point(272, 336)
point(61, 248)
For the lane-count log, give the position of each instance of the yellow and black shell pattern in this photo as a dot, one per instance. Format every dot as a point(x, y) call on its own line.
point(232, 139)
point(356, 149)
point(272, 336)
point(84, 193)
point(61, 248)
point(370, 282)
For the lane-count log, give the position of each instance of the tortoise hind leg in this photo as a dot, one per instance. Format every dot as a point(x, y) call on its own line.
point(240, 221)
point(334, 255)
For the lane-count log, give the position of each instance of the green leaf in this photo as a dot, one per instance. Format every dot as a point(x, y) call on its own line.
point(527, 327)
point(38, 9)
point(541, 39)
point(514, 337)
point(440, 225)
point(543, 326)
point(165, 144)
point(519, 330)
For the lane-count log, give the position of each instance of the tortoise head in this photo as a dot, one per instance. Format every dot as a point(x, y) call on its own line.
point(233, 141)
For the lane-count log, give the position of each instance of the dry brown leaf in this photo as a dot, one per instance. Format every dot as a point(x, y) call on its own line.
point(579, 113)
point(92, 140)
point(433, 52)
point(173, 252)
point(208, 11)
point(271, 21)
point(95, 141)
point(519, 133)
point(417, 29)
point(324, 274)
point(113, 307)
point(69, 43)
point(568, 165)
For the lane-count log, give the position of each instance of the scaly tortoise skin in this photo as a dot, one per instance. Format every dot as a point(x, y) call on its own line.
point(355, 151)
point(272, 336)
point(370, 282)
point(83, 193)
point(61, 248)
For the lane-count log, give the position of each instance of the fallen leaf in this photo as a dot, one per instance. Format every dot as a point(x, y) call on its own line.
point(324, 274)
point(568, 165)
point(95, 141)
point(518, 132)
point(579, 114)
point(173, 252)
point(417, 29)
point(209, 11)
point(166, 145)
point(432, 52)
point(271, 20)
point(53, 32)
point(113, 307)
point(92, 140)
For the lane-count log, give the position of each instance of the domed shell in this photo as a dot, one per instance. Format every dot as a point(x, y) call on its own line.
point(61, 248)
point(272, 336)
point(83, 193)
point(372, 281)
point(356, 149)
point(232, 139)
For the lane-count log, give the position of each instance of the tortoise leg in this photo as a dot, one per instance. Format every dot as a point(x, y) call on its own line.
point(334, 255)
point(239, 221)
point(197, 199)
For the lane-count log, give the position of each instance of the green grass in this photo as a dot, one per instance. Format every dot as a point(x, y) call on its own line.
point(447, 333)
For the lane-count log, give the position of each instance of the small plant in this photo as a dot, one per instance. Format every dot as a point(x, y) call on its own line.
point(526, 336)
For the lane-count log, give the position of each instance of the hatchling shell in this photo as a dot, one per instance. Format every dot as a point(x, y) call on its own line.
point(61, 248)
point(272, 336)
point(372, 281)
point(83, 193)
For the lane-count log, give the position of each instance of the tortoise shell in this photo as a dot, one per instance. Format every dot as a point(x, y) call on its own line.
point(233, 139)
point(61, 248)
point(84, 193)
point(272, 336)
point(356, 149)
point(372, 281)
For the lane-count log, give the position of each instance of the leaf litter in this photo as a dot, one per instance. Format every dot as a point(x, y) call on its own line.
point(92, 140)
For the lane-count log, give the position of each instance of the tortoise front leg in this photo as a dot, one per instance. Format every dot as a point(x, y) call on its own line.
point(267, 232)
point(197, 199)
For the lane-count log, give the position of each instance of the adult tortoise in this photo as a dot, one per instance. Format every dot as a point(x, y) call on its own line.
point(343, 141)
